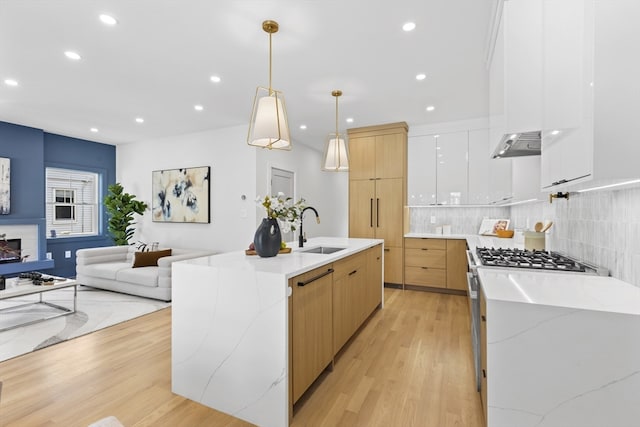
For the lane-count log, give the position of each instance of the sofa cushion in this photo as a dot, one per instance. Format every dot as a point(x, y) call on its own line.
point(144, 276)
point(149, 259)
point(106, 270)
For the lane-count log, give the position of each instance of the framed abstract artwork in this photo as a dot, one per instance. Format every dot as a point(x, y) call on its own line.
point(181, 195)
point(5, 186)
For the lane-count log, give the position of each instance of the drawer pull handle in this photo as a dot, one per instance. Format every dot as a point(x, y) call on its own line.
point(353, 272)
point(484, 373)
point(313, 279)
point(484, 318)
point(424, 268)
point(425, 249)
point(386, 250)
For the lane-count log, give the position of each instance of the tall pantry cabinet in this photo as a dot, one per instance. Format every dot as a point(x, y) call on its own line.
point(378, 190)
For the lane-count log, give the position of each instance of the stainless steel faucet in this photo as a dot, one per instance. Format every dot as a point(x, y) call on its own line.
point(301, 238)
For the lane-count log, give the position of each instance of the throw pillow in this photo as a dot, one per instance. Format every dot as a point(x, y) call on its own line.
point(149, 259)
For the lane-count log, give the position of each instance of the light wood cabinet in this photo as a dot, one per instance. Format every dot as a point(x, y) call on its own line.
point(326, 308)
point(457, 264)
point(377, 190)
point(436, 263)
point(349, 285)
point(373, 288)
point(312, 327)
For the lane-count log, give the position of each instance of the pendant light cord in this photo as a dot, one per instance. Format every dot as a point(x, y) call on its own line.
point(336, 117)
point(270, 91)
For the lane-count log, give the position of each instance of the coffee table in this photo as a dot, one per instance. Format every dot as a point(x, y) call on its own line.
point(21, 287)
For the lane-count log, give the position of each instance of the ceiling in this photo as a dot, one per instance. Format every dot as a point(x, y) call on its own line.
point(156, 64)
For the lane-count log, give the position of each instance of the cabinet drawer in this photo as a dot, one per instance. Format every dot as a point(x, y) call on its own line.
point(415, 243)
point(436, 277)
point(348, 265)
point(434, 258)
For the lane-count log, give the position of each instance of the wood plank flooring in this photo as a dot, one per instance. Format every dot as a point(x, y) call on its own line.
point(410, 365)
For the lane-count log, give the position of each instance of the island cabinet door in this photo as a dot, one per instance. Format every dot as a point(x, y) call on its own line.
point(312, 327)
point(349, 281)
point(373, 287)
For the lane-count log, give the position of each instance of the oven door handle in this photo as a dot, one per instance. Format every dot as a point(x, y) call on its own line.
point(470, 261)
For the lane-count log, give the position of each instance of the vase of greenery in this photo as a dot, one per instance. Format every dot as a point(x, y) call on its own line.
point(280, 210)
point(120, 207)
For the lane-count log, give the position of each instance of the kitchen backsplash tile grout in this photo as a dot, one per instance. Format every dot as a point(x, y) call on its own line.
point(601, 228)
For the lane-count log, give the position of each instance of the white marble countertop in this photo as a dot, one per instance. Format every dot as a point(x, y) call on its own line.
point(291, 264)
point(579, 291)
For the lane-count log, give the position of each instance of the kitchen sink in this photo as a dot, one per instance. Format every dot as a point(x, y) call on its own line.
point(322, 250)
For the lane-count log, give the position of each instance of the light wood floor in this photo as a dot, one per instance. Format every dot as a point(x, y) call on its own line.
point(410, 365)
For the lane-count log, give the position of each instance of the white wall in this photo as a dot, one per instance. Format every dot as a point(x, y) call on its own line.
point(236, 169)
point(233, 174)
point(328, 192)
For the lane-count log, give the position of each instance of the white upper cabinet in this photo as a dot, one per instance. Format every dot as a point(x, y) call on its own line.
point(455, 168)
point(522, 65)
point(489, 179)
point(515, 71)
point(590, 93)
point(452, 171)
point(421, 170)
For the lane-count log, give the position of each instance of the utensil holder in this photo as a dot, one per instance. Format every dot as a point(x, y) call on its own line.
point(534, 241)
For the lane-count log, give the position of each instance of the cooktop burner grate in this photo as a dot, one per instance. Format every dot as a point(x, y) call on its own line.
point(522, 258)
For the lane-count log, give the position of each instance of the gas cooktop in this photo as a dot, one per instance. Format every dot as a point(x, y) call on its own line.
point(522, 258)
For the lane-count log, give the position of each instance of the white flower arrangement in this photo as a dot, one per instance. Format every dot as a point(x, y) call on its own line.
point(283, 209)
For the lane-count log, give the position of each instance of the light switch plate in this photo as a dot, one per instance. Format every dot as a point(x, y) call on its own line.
point(433, 219)
point(67, 254)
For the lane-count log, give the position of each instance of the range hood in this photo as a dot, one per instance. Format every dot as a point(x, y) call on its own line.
point(519, 144)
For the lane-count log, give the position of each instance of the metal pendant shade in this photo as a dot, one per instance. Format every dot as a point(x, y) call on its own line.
point(336, 155)
point(269, 127)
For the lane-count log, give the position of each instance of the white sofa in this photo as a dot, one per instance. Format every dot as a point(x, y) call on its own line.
point(111, 268)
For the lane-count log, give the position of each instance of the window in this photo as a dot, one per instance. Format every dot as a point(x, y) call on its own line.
point(72, 202)
point(64, 208)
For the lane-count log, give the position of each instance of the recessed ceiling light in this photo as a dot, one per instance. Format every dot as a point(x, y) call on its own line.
point(555, 132)
point(108, 19)
point(72, 55)
point(421, 76)
point(431, 108)
point(94, 130)
point(409, 26)
point(215, 79)
point(303, 127)
point(139, 120)
point(349, 119)
point(198, 107)
point(11, 82)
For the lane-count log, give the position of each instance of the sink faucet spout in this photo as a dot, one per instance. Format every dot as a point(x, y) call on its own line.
point(301, 238)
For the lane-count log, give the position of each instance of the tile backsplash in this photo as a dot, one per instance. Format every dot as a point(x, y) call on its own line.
point(463, 220)
point(601, 227)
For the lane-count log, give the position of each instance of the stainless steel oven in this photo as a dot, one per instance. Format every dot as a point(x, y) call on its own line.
point(474, 313)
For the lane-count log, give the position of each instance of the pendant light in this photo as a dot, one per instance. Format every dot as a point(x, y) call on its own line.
point(336, 156)
point(269, 127)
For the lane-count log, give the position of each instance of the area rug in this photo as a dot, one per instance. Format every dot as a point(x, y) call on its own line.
point(96, 309)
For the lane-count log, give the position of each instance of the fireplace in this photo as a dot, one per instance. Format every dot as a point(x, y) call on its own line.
point(10, 250)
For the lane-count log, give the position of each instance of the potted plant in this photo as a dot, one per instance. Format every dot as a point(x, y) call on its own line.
point(120, 207)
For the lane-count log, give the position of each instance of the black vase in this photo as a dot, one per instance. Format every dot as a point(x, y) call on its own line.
point(268, 238)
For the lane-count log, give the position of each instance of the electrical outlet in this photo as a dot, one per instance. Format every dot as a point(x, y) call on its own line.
point(67, 254)
point(433, 219)
point(49, 256)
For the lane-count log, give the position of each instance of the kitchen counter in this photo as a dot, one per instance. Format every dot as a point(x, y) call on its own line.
point(230, 328)
point(562, 349)
point(558, 289)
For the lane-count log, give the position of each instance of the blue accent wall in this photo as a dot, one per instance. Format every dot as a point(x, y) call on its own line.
point(33, 150)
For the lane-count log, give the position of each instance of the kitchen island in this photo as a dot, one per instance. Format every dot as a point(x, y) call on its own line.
point(231, 326)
